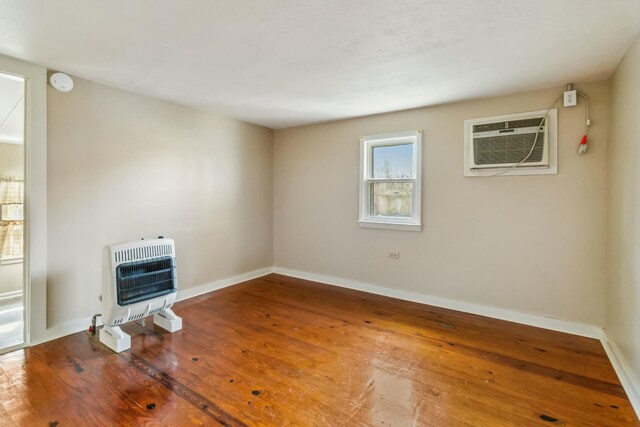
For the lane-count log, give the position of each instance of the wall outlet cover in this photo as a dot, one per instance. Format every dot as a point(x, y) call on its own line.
point(570, 98)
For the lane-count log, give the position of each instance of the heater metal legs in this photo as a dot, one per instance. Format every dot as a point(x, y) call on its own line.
point(115, 339)
point(168, 320)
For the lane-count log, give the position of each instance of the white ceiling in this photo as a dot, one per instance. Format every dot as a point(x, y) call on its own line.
point(282, 63)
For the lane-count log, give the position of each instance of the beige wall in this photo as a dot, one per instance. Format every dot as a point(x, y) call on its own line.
point(11, 164)
point(10, 277)
point(530, 243)
point(11, 160)
point(623, 286)
point(124, 166)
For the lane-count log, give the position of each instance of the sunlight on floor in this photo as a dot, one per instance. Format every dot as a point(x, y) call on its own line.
point(11, 324)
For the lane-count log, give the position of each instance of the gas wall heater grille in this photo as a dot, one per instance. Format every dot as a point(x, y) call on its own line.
point(144, 280)
point(139, 280)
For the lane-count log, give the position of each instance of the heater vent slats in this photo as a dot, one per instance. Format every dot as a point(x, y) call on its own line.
point(143, 280)
point(147, 277)
point(146, 252)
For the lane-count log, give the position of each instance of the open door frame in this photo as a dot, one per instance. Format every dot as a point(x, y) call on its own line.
point(35, 197)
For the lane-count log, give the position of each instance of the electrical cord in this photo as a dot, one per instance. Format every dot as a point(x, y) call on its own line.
point(582, 148)
point(588, 117)
point(535, 141)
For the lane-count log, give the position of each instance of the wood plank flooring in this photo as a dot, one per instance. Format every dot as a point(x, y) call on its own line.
point(282, 351)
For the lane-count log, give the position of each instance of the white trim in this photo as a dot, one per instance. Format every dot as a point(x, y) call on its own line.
point(7, 140)
point(390, 225)
point(11, 295)
point(628, 379)
point(13, 77)
point(413, 223)
point(6, 350)
point(11, 260)
point(222, 283)
point(35, 228)
point(80, 325)
point(552, 135)
point(63, 330)
point(540, 321)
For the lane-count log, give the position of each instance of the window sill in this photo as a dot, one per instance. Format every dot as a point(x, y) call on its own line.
point(403, 226)
point(11, 260)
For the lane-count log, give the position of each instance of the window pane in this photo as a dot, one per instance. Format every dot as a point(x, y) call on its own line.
point(391, 199)
point(392, 161)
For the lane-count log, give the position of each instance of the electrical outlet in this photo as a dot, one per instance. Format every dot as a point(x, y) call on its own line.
point(394, 255)
point(570, 98)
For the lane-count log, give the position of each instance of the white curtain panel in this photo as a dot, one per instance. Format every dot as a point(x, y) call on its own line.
point(4, 233)
point(11, 190)
point(11, 237)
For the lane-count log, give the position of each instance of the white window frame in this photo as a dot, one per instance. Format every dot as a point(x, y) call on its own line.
point(367, 143)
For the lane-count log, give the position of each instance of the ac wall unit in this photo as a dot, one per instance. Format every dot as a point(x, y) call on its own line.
point(139, 280)
point(501, 143)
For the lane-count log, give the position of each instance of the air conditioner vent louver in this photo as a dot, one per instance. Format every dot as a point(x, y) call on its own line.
point(508, 149)
point(508, 124)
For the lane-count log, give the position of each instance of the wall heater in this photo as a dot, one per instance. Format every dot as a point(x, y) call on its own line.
point(139, 280)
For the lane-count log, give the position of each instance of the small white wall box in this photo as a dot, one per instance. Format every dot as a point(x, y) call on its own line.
point(139, 280)
point(570, 98)
point(499, 144)
point(13, 212)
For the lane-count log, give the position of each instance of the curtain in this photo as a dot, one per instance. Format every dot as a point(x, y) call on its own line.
point(11, 190)
point(11, 240)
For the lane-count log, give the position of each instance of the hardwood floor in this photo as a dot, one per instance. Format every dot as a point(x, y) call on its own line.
point(283, 351)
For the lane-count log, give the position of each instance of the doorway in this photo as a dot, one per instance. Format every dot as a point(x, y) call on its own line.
point(12, 224)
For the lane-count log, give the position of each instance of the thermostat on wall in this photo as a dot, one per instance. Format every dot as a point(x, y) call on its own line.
point(61, 82)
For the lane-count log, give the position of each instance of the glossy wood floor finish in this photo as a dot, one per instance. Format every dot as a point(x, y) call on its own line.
point(282, 351)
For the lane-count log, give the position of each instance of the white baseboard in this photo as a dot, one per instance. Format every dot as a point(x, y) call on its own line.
point(628, 379)
point(222, 283)
point(80, 325)
point(575, 328)
point(62, 330)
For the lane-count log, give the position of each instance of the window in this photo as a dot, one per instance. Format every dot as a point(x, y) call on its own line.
point(11, 219)
point(390, 181)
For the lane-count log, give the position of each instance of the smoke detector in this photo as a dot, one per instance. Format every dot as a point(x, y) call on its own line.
point(61, 82)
